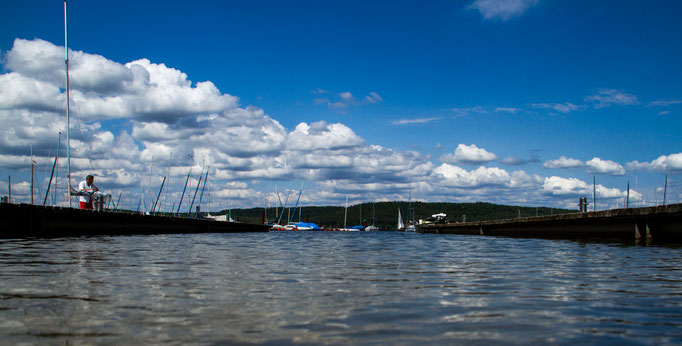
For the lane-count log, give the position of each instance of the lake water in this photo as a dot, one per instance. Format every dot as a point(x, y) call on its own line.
point(337, 288)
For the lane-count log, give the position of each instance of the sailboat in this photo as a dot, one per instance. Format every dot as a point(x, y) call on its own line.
point(411, 226)
point(401, 225)
point(372, 227)
point(345, 217)
point(359, 227)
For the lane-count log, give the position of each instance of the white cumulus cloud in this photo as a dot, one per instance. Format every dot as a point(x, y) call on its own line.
point(573, 187)
point(455, 176)
point(599, 166)
point(469, 154)
point(663, 163)
point(321, 135)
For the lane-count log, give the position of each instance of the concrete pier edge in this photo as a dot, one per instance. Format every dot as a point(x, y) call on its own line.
point(26, 220)
point(658, 223)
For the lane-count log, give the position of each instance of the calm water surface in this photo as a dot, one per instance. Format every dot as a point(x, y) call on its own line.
point(337, 288)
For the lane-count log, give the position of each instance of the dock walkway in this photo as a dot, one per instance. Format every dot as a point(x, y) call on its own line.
point(26, 220)
point(660, 223)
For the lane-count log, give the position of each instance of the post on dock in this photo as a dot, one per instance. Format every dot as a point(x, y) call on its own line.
point(583, 204)
point(99, 203)
point(649, 237)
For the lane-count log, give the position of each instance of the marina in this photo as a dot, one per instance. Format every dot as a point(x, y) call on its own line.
point(477, 124)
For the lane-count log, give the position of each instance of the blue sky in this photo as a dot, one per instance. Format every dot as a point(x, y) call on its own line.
point(504, 101)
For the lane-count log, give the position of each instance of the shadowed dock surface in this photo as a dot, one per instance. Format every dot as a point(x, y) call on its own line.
point(25, 220)
point(660, 223)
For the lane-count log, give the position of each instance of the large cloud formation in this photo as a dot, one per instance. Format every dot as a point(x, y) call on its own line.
point(168, 118)
point(136, 122)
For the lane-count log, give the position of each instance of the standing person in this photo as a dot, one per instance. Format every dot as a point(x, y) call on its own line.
point(87, 186)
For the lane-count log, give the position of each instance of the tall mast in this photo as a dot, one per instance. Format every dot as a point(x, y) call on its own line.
point(345, 213)
point(32, 174)
point(68, 118)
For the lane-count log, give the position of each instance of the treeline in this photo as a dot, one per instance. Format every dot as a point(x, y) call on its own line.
point(386, 213)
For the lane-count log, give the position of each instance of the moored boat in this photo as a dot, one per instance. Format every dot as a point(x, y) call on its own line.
point(401, 225)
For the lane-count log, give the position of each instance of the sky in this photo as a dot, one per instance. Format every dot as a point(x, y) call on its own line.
point(518, 102)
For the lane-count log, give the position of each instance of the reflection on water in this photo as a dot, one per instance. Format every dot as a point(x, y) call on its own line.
point(339, 288)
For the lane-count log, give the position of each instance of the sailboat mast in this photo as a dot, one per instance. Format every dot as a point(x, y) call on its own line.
point(54, 166)
point(345, 213)
point(32, 174)
point(68, 116)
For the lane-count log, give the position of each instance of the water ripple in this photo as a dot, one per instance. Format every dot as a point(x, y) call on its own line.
point(337, 288)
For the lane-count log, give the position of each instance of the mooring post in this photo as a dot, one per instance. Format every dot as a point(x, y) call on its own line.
point(649, 237)
point(642, 230)
point(481, 230)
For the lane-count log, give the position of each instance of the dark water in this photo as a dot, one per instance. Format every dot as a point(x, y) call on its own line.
point(337, 288)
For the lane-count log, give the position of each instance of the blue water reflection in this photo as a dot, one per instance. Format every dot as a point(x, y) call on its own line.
point(337, 288)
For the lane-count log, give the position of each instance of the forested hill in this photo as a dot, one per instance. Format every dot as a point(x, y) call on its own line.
point(387, 213)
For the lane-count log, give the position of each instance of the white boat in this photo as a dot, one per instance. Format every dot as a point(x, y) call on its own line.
point(401, 225)
point(222, 218)
point(435, 218)
point(372, 227)
point(307, 226)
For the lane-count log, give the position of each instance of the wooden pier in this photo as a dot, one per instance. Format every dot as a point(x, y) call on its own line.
point(659, 224)
point(26, 220)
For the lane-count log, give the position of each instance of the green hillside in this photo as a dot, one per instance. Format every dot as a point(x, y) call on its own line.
point(387, 213)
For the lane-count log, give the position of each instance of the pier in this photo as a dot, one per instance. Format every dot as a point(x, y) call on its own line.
point(650, 224)
point(27, 220)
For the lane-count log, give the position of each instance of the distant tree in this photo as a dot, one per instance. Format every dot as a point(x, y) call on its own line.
point(387, 213)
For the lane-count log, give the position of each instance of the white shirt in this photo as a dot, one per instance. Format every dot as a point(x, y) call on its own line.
point(83, 185)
